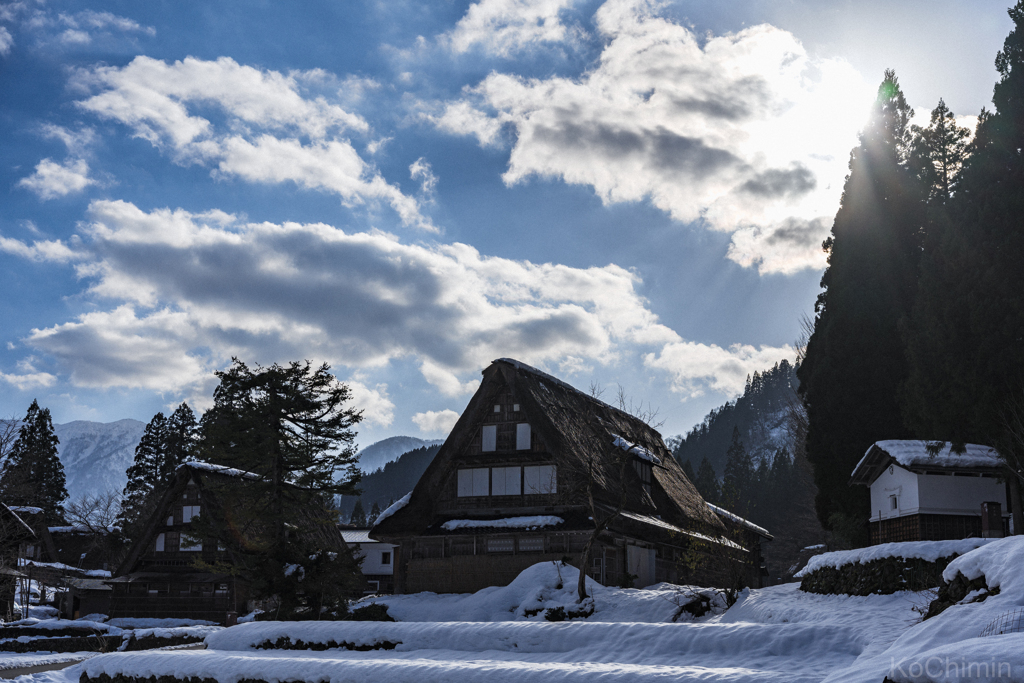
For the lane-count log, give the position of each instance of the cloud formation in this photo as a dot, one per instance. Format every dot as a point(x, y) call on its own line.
point(277, 128)
point(52, 180)
point(191, 290)
point(436, 421)
point(504, 27)
point(742, 131)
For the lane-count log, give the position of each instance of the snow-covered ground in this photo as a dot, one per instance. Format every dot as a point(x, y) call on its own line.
point(499, 634)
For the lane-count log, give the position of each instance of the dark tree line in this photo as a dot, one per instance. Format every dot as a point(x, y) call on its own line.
point(919, 329)
point(31, 474)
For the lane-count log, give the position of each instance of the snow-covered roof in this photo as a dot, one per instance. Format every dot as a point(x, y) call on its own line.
point(393, 508)
point(911, 453)
point(219, 469)
point(722, 512)
point(25, 509)
point(654, 521)
point(527, 522)
point(357, 536)
point(637, 450)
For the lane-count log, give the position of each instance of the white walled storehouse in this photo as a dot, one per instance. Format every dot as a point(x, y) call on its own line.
point(922, 491)
point(378, 564)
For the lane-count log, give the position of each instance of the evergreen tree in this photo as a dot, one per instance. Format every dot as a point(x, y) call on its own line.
point(358, 517)
point(143, 476)
point(33, 474)
point(374, 514)
point(707, 482)
point(938, 152)
point(966, 341)
point(290, 428)
point(688, 471)
point(181, 441)
point(738, 483)
point(854, 363)
point(166, 444)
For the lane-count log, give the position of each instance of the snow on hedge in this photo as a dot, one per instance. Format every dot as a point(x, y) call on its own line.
point(955, 632)
point(929, 551)
point(528, 522)
point(548, 585)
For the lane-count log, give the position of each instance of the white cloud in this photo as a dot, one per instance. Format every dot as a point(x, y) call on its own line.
point(40, 250)
point(52, 180)
point(420, 170)
point(6, 41)
point(695, 367)
point(743, 132)
point(503, 27)
point(278, 128)
point(24, 382)
point(192, 290)
point(436, 422)
point(373, 401)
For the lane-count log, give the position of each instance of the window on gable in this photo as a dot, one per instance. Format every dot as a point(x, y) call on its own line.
point(539, 479)
point(474, 482)
point(385, 558)
point(523, 436)
point(489, 443)
point(643, 470)
point(497, 408)
point(188, 512)
point(505, 481)
point(159, 543)
point(894, 503)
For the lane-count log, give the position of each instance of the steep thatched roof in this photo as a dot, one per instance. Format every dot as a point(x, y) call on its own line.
point(218, 486)
point(14, 527)
point(589, 440)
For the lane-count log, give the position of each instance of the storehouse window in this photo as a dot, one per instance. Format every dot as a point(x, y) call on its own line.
point(385, 558)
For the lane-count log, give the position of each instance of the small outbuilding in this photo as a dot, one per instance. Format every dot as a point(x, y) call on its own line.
point(923, 491)
point(378, 560)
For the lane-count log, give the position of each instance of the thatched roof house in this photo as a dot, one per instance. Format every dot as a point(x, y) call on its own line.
point(513, 484)
point(163, 575)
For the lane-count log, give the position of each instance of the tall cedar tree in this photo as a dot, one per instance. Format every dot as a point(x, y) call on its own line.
point(707, 482)
point(289, 427)
point(739, 477)
point(966, 340)
point(33, 474)
point(854, 363)
point(166, 444)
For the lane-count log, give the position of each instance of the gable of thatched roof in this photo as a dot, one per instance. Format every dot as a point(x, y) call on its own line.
point(14, 527)
point(585, 436)
point(214, 481)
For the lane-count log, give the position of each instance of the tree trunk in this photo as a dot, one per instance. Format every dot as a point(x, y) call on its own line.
point(1015, 506)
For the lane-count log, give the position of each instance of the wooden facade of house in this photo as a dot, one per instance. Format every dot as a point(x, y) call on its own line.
point(159, 577)
point(15, 536)
point(513, 483)
point(171, 573)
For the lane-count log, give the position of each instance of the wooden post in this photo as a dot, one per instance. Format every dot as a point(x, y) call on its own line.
point(1015, 505)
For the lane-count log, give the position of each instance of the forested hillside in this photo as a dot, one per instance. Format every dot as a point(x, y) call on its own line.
point(748, 457)
point(389, 483)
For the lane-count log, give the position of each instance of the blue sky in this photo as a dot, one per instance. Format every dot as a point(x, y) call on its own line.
point(625, 193)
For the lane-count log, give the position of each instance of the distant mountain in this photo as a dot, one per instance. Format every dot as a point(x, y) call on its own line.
point(95, 455)
point(394, 480)
point(376, 455)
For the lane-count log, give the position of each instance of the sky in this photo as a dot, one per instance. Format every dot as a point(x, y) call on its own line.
point(629, 195)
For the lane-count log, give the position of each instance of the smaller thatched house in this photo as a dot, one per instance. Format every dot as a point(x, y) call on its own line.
point(169, 572)
point(15, 535)
point(529, 471)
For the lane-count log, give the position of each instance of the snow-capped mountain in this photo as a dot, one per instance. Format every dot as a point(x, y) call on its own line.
point(378, 454)
point(95, 455)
